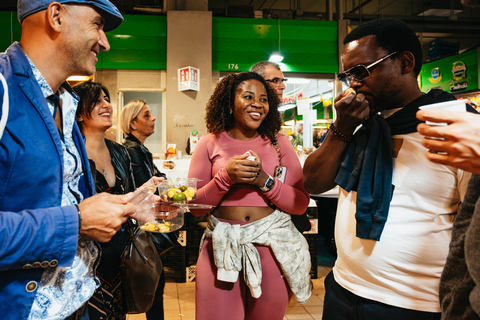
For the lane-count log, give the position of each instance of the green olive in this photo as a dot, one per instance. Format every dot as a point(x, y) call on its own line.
point(179, 196)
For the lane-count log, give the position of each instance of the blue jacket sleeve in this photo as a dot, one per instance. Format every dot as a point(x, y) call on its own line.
point(38, 235)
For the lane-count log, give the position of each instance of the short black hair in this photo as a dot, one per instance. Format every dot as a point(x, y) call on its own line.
point(393, 35)
point(89, 92)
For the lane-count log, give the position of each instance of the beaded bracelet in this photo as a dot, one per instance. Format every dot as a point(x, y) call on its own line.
point(340, 135)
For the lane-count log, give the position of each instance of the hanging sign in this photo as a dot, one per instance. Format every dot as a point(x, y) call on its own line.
point(188, 79)
point(303, 106)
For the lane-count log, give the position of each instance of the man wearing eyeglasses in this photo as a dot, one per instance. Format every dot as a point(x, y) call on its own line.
point(272, 73)
point(395, 208)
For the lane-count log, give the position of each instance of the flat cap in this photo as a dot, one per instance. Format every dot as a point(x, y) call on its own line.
point(113, 17)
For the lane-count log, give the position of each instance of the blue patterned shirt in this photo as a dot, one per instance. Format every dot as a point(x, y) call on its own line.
point(63, 290)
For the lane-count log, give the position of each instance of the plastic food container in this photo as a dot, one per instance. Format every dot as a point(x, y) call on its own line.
point(179, 190)
point(160, 218)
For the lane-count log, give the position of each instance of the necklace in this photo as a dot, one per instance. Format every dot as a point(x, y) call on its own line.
point(105, 162)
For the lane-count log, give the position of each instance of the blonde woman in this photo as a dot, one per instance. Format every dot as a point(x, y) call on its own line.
point(138, 123)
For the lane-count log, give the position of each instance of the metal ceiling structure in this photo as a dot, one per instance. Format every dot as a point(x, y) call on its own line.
point(449, 20)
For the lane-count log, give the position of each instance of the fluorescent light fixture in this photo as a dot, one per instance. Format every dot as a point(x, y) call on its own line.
point(122, 36)
point(78, 78)
point(319, 121)
point(286, 106)
point(291, 123)
point(275, 57)
point(298, 80)
point(148, 9)
point(439, 12)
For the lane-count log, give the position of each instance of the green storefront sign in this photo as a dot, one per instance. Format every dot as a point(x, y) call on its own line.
point(456, 74)
point(308, 46)
point(141, 43)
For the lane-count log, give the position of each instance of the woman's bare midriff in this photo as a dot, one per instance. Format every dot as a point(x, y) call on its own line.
point(242, 213)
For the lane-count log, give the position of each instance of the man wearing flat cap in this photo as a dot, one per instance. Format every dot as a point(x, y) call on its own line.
point(50, 219)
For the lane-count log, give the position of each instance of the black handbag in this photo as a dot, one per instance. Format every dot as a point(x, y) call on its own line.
point(164, 241)
point(301, 222)
point(140, 268)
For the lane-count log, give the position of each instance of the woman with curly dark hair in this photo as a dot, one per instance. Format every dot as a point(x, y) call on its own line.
point(242, 166)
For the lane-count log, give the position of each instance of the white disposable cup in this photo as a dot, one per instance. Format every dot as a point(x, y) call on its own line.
point(454, 105)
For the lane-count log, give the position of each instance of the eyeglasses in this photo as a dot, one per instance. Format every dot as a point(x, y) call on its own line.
point(360, 72)
point(276, 81)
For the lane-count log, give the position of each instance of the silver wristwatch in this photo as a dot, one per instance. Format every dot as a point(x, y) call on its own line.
point(268, 184)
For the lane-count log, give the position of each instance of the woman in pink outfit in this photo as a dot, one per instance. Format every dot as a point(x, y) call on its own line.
point(252, 257)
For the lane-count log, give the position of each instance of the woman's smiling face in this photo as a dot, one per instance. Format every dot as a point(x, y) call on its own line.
point(101, 115)
point(250, 106)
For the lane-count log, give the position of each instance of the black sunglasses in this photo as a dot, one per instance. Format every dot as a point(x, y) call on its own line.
point(276, 81)
point(360, 72)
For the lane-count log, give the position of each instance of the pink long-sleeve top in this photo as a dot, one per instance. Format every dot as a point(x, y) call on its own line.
point(211, 156)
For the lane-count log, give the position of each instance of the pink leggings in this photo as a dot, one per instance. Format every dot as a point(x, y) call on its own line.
point(218, 300)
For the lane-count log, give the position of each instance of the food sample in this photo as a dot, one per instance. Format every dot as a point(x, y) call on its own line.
point(179, 194)
point(171, 151)
point(168, 164)
point(179, 190)
point(162, 227)
point(308, 151)
point(160, 218)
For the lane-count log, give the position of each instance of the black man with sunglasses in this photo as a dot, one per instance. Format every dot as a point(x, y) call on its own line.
point(395, 208)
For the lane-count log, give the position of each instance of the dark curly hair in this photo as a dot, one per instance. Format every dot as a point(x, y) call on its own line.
point(393, 35)
point(89, 92)
point(219, 118)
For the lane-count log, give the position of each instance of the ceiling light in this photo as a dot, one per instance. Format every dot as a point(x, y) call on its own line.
point(149, 9)
point(286, 106)
point(276, 57)
point(298, 80)
point(439, 12)
point(78, 78)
